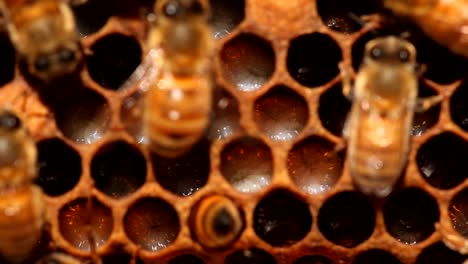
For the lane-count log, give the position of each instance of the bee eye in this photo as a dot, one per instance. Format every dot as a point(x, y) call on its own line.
point(403, 55)
point(66, 56)
point(171, 9)
point(9, 121)
point(42, 64)
point(376, 53)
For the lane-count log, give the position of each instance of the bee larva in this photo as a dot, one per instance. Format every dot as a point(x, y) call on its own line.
point(22, 208)
point(385, 96)
point(176, 77)
point(60, 258)
point(44, 35)
point(216, 222)
point(445, 21)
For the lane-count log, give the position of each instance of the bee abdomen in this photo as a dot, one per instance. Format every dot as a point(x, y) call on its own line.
point(21, 223)
point(375, 170)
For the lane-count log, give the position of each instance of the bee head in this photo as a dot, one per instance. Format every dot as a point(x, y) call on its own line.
point(182, 9)
point(390, 50)
point(59, 62)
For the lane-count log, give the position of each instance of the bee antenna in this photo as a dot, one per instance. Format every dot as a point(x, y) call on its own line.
point(361, 22)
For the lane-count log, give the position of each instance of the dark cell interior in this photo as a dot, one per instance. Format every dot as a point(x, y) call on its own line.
point(347, 219)
point(344, 16)
point(410, 215)
point(441, 160)
point(316, 259)
point(376, 256)
point(458, 107)
point(250, 256)
point(186, 259)
point(277, 228)
point(59, 166)
point(439, 253)
point(458, 212)
point(7, 53)
point(184, 175)
point(313, 59)
point(333, 109)
point(113, 59)
point(118, 169)
point(91, 16)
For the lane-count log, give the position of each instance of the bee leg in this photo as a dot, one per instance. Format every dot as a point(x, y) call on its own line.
point(423, 104)
point(346, 74)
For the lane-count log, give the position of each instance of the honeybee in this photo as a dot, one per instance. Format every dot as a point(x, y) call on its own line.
point(60, 258)
point(385, 96)
point(44, 35)
point(176, 77)
point(22, 208)
point(446, 21)
point(217, 222)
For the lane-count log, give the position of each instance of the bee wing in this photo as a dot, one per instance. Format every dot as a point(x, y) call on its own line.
point(146, 72)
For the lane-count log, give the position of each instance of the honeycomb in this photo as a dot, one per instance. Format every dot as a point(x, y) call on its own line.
point(277, 116)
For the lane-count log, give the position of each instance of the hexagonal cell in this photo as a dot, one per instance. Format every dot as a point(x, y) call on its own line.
point(250, 256)
point(86, 224)
point(333, 110)
point(313, 59)
point(113, 59)
point(425, 120)
point(273, 120)
point(438, 253)
point(458, 106)
point(7, 53)
point(314, 165)
point(225, 16)
point(247, 61)
point(347, 219)
point(458, 212)
point(410, 215)
point(117, 258)
point(152, 224)
point(342, 15)
point(59, 166)
point(186, 259)
point(186, 174)
point(278, 228)
point(441, 160)
point(216, 222)
point(316, 259)
point(247, 164)
point(91, 16)
point(118, 169)
point(81, 114)
point(376, 256)
point(224, 117)
point(443, 66)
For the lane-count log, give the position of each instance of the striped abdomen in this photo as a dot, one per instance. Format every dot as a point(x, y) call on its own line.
point(21, 222)
point(377, 151)
point(176, 113)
